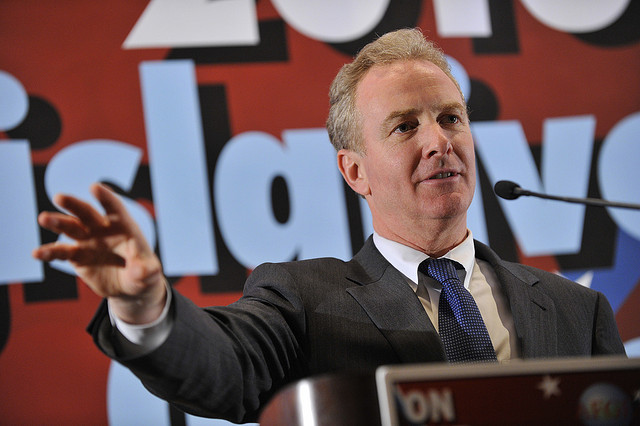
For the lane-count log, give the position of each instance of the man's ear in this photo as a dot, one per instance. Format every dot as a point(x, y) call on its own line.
point(351, 166)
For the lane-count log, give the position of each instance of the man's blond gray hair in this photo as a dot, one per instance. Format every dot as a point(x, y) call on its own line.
point(343, 123)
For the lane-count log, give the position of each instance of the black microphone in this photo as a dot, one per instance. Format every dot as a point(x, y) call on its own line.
point(511, 190)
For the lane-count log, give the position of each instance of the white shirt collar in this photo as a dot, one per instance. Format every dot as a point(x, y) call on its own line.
point(406, 259)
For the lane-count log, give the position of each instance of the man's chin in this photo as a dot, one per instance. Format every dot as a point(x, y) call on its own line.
point(449, 209)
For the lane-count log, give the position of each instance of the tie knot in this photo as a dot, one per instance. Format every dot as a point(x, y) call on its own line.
point(442, 270)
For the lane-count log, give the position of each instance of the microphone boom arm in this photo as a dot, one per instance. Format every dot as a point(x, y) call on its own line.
point(588, 201)
point(511, 190)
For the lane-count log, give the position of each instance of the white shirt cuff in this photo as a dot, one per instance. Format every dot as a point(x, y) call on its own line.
point(140, 339)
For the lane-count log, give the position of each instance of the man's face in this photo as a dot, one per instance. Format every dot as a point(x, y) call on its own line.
point(418, 164)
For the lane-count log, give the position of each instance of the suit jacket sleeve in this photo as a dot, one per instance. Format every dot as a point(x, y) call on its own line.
point(223, 362)
point(606, 338)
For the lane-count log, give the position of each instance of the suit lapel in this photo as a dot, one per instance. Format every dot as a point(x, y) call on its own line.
point(393, 307)
point(534, 313)
point(395, 310)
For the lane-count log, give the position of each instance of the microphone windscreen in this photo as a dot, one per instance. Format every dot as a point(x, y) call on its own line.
point(506, 189)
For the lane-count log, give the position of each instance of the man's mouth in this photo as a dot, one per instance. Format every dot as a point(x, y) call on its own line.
point(442, 175)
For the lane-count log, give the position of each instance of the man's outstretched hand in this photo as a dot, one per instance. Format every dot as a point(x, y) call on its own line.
point(110, 254)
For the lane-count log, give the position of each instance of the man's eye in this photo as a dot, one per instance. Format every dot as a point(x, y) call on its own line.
point(404, 128)
point(450, 119)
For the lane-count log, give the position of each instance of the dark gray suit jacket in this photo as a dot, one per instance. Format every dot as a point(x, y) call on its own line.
point(319, 316)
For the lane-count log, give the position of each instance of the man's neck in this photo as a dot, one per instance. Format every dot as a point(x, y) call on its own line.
point(406, 260)
point(433, 241)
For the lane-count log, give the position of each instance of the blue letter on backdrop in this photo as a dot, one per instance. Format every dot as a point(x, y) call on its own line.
point(178, 167)
point(317, 224)
point(541, 226)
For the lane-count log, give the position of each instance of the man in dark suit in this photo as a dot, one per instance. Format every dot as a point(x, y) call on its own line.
point(399, 123)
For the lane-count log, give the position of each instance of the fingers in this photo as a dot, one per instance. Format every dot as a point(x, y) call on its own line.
point(89, 222)
point(118, 216)
point(109, 200)
point(80, 256)
point(63, 224)
point(90, 228)
point(120, 221)
point(89, 216)
point(113, 205)
point(75, 228)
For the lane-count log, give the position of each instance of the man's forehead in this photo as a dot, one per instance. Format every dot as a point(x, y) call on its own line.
point(389, 80)
point(399, 67)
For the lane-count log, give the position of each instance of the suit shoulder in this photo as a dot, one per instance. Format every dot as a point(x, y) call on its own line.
point(306, 266)
point(552, 282)
point(546, 281)
point(297, 273)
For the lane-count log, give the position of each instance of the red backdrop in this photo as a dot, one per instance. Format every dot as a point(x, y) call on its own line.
point(69, 58)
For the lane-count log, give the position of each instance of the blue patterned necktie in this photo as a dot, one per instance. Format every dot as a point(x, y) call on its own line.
point(460, 324)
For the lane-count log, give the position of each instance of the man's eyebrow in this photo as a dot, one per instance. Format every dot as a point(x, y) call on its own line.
point(451, 106)
point(394, 115)
point(448, 106)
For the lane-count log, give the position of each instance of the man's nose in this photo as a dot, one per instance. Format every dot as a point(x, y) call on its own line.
point(436, 142)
